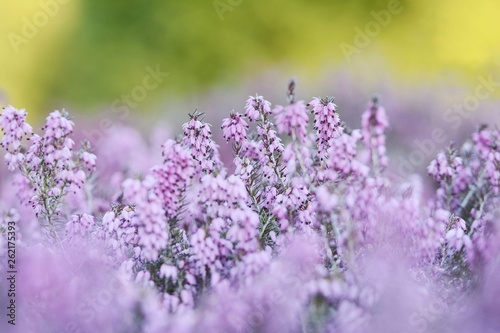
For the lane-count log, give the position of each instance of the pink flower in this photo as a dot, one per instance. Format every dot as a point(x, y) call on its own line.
point(270, 143)
point(484, 140)
point(14, 160)
point(89, 160)
point(14, 126)
point(173, 177)
point(326, 124)
point(57, 126)
point(440, 167)
point(257, 105)
point(148, 216)
point(80, 225)
point(198, 138)
point(235, 128)
point(373, 125)
point(343, 153)
point(292, 118)
point(456, 236)
point(492, 168)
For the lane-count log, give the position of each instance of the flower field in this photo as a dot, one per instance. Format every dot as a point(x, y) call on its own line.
point(305, 230)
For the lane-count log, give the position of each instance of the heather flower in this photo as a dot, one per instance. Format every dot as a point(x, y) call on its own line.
point(148, 216)
point(271, 143)
point(487, 143)
point(440, 167)
point(298, 159)
point(462, 177)
point(204, 251)
point(14, 160)
point(173, 177)
point(361, 198)
point(120, 233)
point(271, 301)
point(492, 168)
point(198, 137)
point(235, 128)
point(80, 225)
point(485, 245)
point(256, 107)
point(269, 152)
point(88, 160)
point(484, 140)
point(343, 152)
point(14, 126)
point(292, 119)
point(58, 125)
point(221, 225)
point(23, 187)
point(456, 236)
point(258, 162)
point(290, 203)
point(373, 125)
point(468, 177)
point(253, 264)
point(254, 161)
point(326, 123)
point(169, 272)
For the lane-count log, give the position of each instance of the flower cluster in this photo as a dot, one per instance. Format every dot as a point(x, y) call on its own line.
point(326, 123)
point(292, 120)
point(300, 234)
point(257, 107)
point(468, 191)
point(198, 138)
point(49, 168)
point(373, 124)
point(148, 217)
point(13, 123)
point(235, 128)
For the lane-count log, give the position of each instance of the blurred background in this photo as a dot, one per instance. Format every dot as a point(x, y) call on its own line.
point(151, 62)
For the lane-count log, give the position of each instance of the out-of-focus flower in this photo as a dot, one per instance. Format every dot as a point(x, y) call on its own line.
point(373, 125)
point(292, 119)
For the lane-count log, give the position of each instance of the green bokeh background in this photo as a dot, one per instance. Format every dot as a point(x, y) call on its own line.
point(90, 52)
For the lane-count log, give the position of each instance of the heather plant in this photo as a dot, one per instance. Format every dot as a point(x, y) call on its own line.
point(466, 198)
point(49, 167)
point(304, 232)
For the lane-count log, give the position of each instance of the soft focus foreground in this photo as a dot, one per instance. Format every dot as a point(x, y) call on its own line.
point(306, 231)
